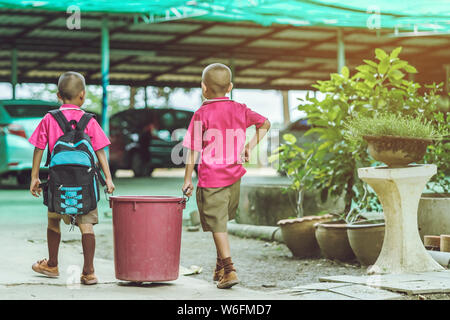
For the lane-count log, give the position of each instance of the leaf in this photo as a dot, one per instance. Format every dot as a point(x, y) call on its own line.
point(380, 54)
point(396, 74)
point(384, 65)
point(371, 63)
point(398, 64)
point(290, 138)
point(366, 68)
point(274, 157)
point(345, 72)
point(311, 131)
point(395, 52)
point(409, 68)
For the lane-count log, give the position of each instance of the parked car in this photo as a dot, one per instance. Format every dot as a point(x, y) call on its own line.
point(144, 139)
point(18, 120)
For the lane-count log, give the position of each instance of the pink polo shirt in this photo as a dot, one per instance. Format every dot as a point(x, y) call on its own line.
point(217, 131)
point(48, 130)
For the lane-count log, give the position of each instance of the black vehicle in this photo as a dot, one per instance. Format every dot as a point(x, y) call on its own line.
point(144, 139)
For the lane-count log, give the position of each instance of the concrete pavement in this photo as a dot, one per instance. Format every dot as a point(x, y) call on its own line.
point(22, 246)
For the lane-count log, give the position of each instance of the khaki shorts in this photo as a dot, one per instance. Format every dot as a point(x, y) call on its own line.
point(217, 205)
point(88, 218)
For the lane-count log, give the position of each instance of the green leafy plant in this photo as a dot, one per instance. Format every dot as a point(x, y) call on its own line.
point(381, 85)
point(391, 124)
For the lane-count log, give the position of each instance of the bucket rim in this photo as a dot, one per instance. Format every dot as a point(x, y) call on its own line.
point(135, 198)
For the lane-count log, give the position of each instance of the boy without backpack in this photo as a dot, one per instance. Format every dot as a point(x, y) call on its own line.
point(72, 91)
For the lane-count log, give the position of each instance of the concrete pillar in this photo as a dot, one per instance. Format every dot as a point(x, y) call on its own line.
point(399, 191)
point(14, 72)
point(286, 111)
point(340, 50)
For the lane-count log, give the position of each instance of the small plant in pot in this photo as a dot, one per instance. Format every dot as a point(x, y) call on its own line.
point(393, 139)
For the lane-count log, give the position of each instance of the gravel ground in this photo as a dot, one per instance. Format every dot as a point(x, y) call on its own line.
point(269, 266)
point(261, 265)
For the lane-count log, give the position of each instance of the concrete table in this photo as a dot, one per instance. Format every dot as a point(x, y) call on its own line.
point(399, 191)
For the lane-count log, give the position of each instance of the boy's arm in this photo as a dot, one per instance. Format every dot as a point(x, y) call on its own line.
point(188, 187)
point(34, 185)
point(260, 133)
point(101, 155)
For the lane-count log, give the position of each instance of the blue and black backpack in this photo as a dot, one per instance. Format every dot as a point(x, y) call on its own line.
point(72, 186)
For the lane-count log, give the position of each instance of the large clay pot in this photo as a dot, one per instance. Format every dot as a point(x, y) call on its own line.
point(397, 152)
point(366, 239)
point(434, 214)
point(299, 235)
point(333, 240)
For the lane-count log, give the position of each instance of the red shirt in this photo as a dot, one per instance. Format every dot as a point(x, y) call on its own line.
point(48, 130)
point(217, 131)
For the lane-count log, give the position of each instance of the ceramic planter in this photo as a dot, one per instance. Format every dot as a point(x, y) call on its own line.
point(432, 243)
point(445, 243)
point(333, 240)
point(366, 240)
point(397, 152)
point(434, 214)
point(299, 235)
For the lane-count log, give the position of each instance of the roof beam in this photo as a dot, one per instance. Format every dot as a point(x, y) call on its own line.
point(209, 55)
point(168, 43)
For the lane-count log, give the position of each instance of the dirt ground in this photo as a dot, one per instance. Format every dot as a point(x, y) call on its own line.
point(261, 265)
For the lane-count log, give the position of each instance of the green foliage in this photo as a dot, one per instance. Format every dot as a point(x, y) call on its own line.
point(331, 162)
point(391, 124)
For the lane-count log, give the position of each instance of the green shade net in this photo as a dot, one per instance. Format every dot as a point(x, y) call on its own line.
point(422, 15)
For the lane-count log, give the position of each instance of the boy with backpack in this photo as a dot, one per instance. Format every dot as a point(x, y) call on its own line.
point(75, 143)
point(217, 134)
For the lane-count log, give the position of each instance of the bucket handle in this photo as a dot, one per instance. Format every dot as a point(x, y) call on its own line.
point(107, 197)
point(185, 198)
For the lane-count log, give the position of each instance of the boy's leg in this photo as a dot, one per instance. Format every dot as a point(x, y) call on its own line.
point(222, 244)
point(53, 241)
point(88, 243)
point(50, 267)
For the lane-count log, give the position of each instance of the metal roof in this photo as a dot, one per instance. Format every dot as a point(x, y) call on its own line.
point(173, 53)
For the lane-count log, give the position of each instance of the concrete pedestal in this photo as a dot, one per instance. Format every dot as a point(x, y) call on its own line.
point(399, 191)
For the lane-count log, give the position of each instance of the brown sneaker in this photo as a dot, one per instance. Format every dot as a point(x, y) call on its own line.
point(43, 268)
point(228, 280)
point(88, 279)
point(230, 277)
point(218, 274)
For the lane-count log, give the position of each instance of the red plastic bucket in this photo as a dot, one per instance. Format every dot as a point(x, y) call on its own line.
point(147, 237)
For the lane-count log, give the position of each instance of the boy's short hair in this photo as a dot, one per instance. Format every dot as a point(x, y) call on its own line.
point(217, 78)
point(70, 84)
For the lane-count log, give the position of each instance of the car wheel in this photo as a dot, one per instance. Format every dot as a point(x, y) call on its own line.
point(138, 166)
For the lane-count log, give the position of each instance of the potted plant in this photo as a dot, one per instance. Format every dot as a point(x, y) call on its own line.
point(379, 86)
point(299, 235)
point(393, 139)
point(434, 205)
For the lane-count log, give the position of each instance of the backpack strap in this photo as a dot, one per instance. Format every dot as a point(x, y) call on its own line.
point(61, 119)
point(84, 120)
point(63, 124)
